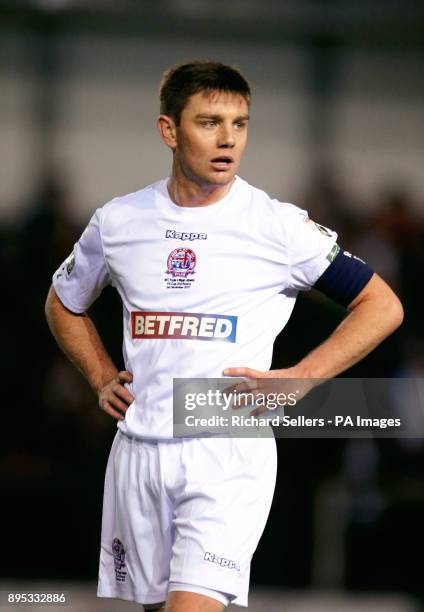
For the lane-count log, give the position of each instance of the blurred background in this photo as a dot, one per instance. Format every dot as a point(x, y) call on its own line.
point(337, 128)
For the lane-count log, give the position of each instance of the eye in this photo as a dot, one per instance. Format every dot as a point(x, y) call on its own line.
point(209, 123)
point(240, 124)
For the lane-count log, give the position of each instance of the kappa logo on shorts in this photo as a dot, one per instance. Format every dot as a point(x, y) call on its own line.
point(183, 326)
point(118, 552)
point(221, 561)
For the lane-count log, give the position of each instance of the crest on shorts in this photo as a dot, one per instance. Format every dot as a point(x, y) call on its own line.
point(181, 262)
point(118, 552)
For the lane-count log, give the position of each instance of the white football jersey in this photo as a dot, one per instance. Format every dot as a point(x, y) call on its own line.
point(203, 288)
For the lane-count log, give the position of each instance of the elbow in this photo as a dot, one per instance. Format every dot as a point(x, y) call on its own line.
point(49, 307)
point(49, 302)
point(400, 314)
point(53, 307)
point(395, 313)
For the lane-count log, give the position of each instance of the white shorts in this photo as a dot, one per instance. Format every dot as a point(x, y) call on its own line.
point(188, 511)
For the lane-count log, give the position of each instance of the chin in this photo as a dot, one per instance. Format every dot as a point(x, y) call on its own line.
point(222, 178)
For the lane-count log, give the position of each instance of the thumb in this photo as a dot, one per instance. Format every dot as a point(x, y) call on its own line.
point(125, 376)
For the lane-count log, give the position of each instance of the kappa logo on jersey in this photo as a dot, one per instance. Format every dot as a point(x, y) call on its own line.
point(221, 561)
point(118, 552)
point(181, 262)
point(185, 235)
point(183, 326)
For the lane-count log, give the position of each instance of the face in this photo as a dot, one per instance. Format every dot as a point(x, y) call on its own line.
point(211, 138)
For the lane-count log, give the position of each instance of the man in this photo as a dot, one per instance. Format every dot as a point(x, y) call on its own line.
point(199, 256)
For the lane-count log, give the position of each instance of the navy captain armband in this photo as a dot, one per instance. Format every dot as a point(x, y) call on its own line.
point(344, 278)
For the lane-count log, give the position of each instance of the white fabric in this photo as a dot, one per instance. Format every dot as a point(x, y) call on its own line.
point(247, 258)
point(202, 289)
point(189, 510)
point(192, 588)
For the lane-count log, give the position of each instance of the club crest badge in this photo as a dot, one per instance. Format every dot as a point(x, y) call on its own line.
point(181, 262)
point(70, 263)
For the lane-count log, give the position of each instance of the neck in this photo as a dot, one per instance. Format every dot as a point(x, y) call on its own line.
point(188, 192)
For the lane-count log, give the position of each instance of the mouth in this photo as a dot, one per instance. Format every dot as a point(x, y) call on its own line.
point(222, 162)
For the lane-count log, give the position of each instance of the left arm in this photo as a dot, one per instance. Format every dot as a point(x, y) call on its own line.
point(374, 314)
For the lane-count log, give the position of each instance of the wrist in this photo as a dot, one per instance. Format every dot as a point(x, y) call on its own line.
point(301, 371)
point(103, 379)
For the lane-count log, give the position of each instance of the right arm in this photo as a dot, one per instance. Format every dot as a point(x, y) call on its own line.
point(78, 338)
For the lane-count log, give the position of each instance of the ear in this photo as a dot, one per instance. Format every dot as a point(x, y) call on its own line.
point(167, 130)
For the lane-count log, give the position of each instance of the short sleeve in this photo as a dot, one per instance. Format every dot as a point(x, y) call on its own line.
point(311, 249)
point(83, 275)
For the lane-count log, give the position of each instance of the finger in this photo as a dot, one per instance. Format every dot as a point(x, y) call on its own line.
point(258, 411)
point(125, 376)
point(230, 389)
point(243, 393)
point(248, 372)
point(110, 411)
point(254, 412)
point(123, 393)
point(115, 402)
point(251, 384)
point(237, 400)
point(237, 388)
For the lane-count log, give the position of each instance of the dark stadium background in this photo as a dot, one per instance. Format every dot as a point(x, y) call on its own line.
point(347, 514)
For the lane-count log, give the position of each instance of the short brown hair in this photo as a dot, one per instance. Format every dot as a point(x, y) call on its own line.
point(184, 80)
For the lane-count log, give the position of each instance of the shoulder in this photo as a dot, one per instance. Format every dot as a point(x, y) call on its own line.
point(123, 208)
point(268, 204)
point(271, 213)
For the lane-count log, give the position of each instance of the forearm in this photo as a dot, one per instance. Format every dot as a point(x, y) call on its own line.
point(79, 340)
point(372, 318)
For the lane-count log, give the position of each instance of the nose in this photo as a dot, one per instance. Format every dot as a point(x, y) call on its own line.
point(226, 137)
